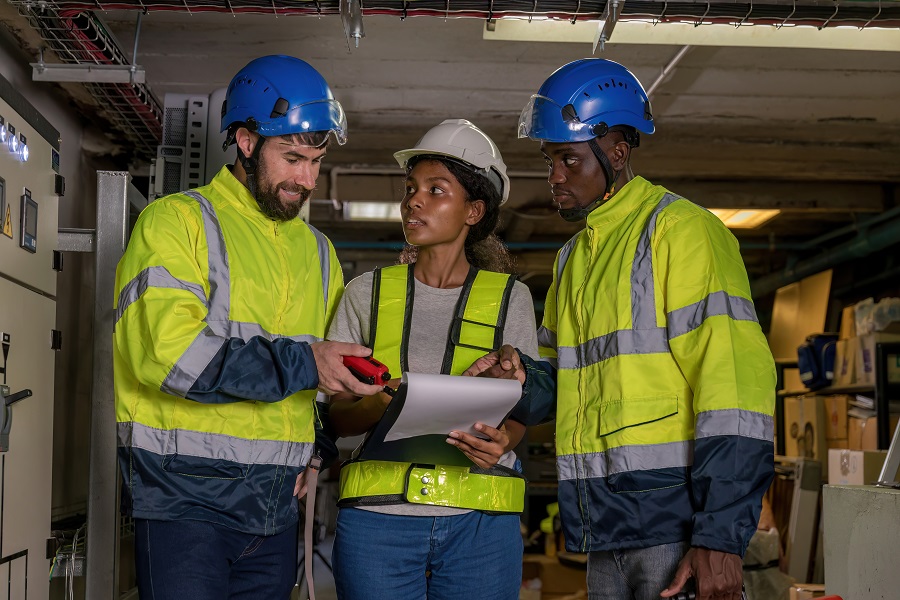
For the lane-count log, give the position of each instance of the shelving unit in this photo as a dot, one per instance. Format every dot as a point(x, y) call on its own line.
point(885, 391)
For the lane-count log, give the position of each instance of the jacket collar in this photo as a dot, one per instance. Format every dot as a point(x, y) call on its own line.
point(626, 200)
point(236, 193)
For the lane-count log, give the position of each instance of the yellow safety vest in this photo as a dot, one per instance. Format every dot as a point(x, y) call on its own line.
point(203, 267)
point(476, 330)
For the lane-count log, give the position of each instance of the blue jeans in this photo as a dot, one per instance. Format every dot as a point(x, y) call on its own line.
point(196, 560)
point(385, 557)
point(633, 574)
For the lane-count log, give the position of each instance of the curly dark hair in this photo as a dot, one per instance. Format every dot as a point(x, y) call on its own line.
point(484, 249)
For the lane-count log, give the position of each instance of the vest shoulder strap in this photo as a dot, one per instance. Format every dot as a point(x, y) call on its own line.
point(392, 294)
point(479, 320)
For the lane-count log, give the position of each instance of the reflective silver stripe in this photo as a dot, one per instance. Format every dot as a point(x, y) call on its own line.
point(324, 261)
point(624, 341)
point(563, 258)
point(549, 360)
point(157, 277)
point(643, 304)
point(213, 446)
point(625, 459)
point(546, 338)
point(245, 331)
point(190, 365)
point(218, 326)
point(217, 257)
point(734, 421)
point(689, 318)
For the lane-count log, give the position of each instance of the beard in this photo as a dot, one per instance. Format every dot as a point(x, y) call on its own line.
point(269, 202)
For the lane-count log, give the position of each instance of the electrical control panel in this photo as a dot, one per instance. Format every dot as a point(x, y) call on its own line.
point(29, 165)
point(28, 202)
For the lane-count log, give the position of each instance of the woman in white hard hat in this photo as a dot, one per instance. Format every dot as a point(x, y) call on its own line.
point(452, 541)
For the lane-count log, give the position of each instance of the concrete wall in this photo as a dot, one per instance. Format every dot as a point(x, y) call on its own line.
point(862, 542)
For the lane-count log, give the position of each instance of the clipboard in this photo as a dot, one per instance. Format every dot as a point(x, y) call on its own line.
point(422, 449)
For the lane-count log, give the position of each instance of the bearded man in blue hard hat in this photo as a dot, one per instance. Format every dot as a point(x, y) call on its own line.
point(665, 382)
point(223, 300)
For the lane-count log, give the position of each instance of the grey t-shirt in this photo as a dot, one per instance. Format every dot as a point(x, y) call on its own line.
point(432, 315)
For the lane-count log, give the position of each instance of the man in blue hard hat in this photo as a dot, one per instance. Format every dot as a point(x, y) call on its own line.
point(665, 385)
point(223, 300)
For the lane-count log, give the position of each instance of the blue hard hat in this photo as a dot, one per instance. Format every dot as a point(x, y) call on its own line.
point(282, 95)
point(583, 100)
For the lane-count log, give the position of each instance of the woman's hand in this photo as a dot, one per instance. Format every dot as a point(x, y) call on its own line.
point(484, 453)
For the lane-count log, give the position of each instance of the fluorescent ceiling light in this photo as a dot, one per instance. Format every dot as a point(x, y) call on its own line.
point(686, 34)
point(372, 211)
point(738, 218)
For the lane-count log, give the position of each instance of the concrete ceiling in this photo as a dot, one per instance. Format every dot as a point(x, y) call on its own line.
point(813, 132)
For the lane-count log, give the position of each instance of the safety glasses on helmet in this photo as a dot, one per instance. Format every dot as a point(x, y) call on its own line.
point(319, 115)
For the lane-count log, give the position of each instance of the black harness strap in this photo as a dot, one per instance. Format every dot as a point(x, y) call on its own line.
point(458, 313)
point(373, 310)
point(504, 309)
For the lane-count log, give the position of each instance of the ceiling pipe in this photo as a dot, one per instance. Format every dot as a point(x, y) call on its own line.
point(666, 70)
point(870, 239)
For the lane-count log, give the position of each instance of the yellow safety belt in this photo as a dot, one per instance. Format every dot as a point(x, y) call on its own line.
point(375, 482)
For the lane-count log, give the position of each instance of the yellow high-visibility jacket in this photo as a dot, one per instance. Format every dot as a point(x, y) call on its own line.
point(665, 382)
point(214, 377)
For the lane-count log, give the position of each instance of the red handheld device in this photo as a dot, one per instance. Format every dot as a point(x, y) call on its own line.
point(367, 369)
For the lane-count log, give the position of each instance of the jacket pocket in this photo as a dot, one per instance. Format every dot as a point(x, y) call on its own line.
point(637, 462)
point(631, 412)
point(190, 453)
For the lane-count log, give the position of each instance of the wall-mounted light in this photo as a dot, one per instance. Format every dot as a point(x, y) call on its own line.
point(12, 142)
point(2, 130)
point(736, 218)
point(22, 154)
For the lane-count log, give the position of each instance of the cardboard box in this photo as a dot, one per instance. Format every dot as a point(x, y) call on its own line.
point(792, 380)
point(836, 416)
point(848, 323)
point(845, 362)
point(807, 591)
point(854, 467)
point(804, 427)
point(529, 594)
point(862, 434)
point(840, 444)
point(865, 355)
point(556, 578)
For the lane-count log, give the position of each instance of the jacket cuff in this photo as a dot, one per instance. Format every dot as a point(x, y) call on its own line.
point(538, 401)
point(699, 540)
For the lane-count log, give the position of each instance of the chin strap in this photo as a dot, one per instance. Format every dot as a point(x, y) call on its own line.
point(577, 214)
point(250, 164)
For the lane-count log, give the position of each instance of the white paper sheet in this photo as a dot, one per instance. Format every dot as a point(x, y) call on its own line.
point(438, 404)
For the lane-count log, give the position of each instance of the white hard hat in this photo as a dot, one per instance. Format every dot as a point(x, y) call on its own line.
point(461, 140)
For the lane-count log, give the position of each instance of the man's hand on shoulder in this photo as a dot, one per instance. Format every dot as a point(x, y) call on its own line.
point(334, 377)
point(716, 574)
